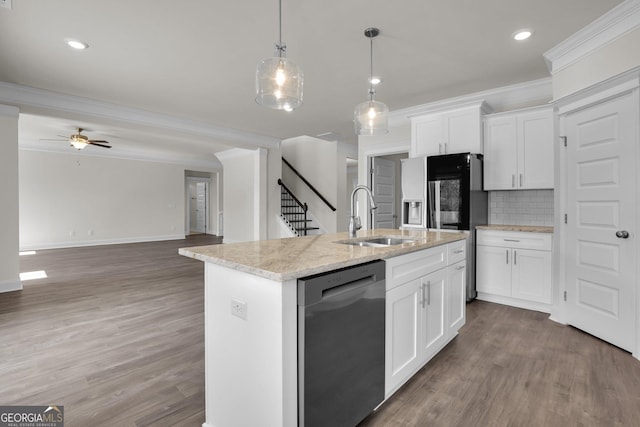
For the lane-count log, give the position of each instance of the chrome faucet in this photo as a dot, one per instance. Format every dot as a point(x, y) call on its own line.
point(354, 221)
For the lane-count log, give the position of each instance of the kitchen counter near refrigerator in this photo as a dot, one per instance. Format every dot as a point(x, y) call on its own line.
point(517, 228)
point(514, 265)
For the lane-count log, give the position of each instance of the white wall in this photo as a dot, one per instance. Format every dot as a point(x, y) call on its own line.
point(245, 194)
point(75, 199)
point(9, 262)
point(616, 57)
point(318, 161)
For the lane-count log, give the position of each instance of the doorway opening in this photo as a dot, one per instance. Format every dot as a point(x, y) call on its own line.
point(201, 203)
point(386, 186)
point(198, 206)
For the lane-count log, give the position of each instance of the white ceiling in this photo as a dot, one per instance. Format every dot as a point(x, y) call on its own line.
point(195, 60)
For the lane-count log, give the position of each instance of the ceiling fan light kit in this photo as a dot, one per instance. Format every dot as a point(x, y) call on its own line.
point(80, 141)
point(371, 117)
point(279, 80)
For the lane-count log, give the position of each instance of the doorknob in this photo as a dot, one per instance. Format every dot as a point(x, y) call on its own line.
point(622, 234)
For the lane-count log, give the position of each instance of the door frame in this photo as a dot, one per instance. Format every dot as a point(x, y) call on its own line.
point(364, 161)
point(207, 218)
point(596, 94)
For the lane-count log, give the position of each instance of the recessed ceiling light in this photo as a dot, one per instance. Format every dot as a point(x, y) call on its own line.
point(522, 35)
point(375, 80)
point(76, 44)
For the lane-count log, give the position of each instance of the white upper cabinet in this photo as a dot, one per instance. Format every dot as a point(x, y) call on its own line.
point(446, 132)
point(518, 151)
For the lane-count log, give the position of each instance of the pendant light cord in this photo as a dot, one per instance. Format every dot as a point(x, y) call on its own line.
point(281, 48)
point(371, 91)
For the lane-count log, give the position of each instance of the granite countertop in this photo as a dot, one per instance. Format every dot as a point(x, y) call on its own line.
point(523, 228)
point(294, 257)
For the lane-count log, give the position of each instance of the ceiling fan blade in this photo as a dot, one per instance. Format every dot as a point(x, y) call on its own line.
point(56, 140)
point(100, 141)
point(99, 145)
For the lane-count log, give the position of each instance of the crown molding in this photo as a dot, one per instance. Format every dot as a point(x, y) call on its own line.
point(612, 25)
point(233, 152)
point(35, 99)
point(497, 99)
point(9, 111)
point(193, 163)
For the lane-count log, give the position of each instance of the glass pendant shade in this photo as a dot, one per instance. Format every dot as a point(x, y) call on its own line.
point(279, 84)
point(371, 118)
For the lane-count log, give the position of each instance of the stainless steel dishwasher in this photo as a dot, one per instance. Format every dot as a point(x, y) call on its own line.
point(341, 317)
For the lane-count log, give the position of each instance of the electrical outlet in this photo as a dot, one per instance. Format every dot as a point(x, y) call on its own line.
point(239, 308)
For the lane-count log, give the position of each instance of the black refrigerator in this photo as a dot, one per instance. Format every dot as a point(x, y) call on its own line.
point(456, 201)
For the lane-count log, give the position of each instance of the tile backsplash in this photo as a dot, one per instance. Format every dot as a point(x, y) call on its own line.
point(522, 207)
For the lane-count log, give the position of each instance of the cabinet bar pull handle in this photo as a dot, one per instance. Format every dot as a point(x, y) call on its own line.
point(513, 180)
point(429, 292)
point(515, 257)
point(459, 251)
point(439, 148)
point(511, 240)
point(507, 252)
point(460, 267)
point(520, 180)
point(422, 298)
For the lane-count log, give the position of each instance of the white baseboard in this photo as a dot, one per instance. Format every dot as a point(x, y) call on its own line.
point(10, 285)
point(515, 302)
point(59, 245)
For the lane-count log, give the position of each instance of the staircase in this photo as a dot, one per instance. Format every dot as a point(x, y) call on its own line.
point(294, 213)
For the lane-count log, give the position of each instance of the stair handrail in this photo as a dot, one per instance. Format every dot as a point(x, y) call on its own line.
point(309, 184)
point(302, 205)
point(295, 199)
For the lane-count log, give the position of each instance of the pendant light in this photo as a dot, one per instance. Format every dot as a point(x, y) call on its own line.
point(279, 79)
point(371, 117)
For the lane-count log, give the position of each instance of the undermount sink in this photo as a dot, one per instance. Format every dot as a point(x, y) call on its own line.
point(377, 241)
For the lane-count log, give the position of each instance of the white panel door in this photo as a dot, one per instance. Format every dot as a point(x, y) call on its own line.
point(383, 182)
point(462, 132)
point(535, 150)
point(601, 201)
point(201, 207)
point(433, 332)
point(531, 275)
point(456, 296)
point(427, 136)
point(402, 351)
point(500, 153)
point(493, 270)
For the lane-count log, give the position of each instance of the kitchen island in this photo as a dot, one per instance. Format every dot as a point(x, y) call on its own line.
point(251, 314)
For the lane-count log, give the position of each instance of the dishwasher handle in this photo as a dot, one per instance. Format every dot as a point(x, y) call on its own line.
point(334, 292)
point(314, 289)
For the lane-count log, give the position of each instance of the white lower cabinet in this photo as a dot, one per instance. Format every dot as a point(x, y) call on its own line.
point(456, 287)
point(425, 307)
point(514, 269)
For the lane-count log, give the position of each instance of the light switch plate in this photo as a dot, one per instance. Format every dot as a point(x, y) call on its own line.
point(5, 4)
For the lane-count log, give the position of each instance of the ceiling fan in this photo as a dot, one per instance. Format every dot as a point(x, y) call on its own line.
point(79, 141)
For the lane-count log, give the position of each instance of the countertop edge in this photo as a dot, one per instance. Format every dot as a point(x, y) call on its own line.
point(517, 228)
point(383, 253)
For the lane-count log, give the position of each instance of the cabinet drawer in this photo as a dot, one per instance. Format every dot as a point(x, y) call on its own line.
point(404, 268)
point(456, 251)
point(512, 239)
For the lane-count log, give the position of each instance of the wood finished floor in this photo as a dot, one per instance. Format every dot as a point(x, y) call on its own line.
point(514, 367)
point(115, 333)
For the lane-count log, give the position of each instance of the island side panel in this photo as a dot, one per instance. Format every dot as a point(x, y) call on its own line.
point(251, 365)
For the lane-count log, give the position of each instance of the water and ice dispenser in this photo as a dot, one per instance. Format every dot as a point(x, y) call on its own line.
point(412, 212)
